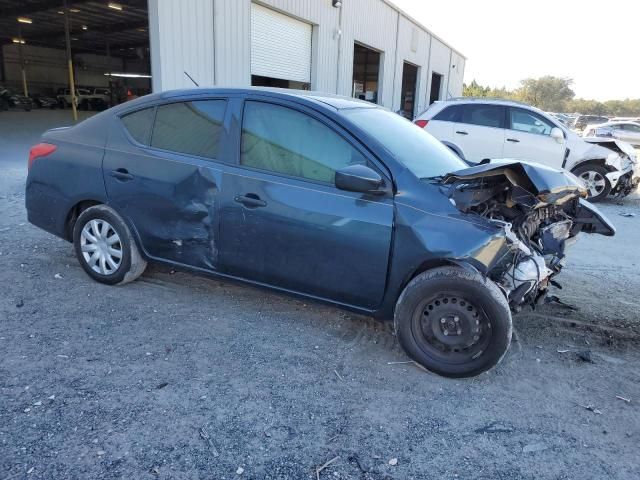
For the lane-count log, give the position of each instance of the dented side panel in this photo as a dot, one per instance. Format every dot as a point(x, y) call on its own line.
point(171, 200)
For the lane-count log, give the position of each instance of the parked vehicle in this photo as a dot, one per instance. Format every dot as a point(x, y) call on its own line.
point(582, 121)
point(324, 197)
point(82, 98)
point(42, 101)
point(9, 99)
point(626, 131)
point(566, 120)
point(482, 129)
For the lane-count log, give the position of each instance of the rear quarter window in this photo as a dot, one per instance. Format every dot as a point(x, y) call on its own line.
point(449, 114)
point(139, 124)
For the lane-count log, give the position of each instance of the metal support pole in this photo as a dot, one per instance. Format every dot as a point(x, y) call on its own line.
point(24, 74)
point(67, 38)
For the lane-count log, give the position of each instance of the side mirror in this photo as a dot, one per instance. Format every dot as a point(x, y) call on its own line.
point(359, 178)
point(557, 134)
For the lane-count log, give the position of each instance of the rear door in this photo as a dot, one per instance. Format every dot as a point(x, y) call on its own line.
point(442, 124)
point(528, 137)
point(163, 170)
point(284, 223)
point(480, 131)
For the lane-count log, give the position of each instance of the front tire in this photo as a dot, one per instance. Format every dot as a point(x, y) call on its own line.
point(595, 180)
point(453, 322)
point(105, 247)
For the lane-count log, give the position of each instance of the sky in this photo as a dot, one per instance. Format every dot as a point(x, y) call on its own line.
point(596, 43)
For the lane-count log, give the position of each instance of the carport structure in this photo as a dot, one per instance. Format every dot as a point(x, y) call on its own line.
point(103, 38)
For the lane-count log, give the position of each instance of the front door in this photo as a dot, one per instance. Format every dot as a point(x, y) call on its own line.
point(285, 224)
point(528, 137)
point(163, 171)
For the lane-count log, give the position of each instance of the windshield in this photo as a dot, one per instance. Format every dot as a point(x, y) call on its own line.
point(416, 149)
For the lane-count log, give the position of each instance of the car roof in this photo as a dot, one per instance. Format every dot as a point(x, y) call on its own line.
point(336, 102)
point(496, 101)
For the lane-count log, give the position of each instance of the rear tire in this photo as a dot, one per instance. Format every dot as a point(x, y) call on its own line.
point(453, 322)
point(596, 182)
point(105, 247)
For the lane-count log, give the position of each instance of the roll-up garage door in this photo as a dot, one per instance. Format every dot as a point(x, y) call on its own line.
point(280, 45)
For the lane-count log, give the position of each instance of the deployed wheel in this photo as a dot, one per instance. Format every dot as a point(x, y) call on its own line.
point(105, 247)
point(453, 322)
point(595, 180)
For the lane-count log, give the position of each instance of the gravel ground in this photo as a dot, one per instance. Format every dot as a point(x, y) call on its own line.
point(182, 376)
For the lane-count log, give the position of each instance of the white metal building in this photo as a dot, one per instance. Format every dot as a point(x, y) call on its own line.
point(364, 48)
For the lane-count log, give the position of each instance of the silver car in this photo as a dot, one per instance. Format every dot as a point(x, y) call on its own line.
point(626, 131)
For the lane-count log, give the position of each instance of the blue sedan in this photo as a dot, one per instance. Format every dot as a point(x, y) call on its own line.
point(319, 196)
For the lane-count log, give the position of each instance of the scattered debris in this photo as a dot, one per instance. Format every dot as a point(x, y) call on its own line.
point(591, 408)
point(563, 351)
point(62, 356)
point(178, 242)
point(495, 427)
point(27, 410)
point(338, 375)
point(585, 356)
point(393, 462)
point(554, 299)
point(58, 276)
point(628, 400)
point(322, 467)
point(240, 471)
point(20, 303)
point(204, 435)
point(534, 447)
point(31, 470)
point(627, 214)
point(356, 459)
point(162, 385)
point(52, 397)
point(101, 452)
point(38, 403)
point(399, 363)
point(155, 470)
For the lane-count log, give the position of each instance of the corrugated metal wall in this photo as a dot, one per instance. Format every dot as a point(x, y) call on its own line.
point(181, 36)
point(211, 39)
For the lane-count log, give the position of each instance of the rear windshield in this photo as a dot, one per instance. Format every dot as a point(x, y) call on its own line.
point(412, 146)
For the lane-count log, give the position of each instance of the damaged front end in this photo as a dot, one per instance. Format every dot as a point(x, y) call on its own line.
point(540, 210)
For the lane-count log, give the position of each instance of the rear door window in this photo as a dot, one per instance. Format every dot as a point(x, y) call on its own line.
point(484, 115)
point(450, 114)
point(139, 123)
point(194, 128)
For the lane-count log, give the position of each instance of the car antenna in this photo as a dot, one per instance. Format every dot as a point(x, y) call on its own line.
point(190, 78)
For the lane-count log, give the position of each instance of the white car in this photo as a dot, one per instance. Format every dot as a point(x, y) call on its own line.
point(626, 131)
point(482, 129)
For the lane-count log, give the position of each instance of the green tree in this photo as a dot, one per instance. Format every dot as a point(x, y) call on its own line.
point(547, 93)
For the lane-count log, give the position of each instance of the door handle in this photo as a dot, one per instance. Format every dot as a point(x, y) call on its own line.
point(121, 174)
point(462, 132)
point(250, 200)
point(513, 140)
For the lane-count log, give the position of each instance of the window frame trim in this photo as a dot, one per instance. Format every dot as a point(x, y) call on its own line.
point(330, 124)
point(128, 133)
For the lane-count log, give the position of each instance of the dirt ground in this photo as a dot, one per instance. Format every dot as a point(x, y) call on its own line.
point(180, 376)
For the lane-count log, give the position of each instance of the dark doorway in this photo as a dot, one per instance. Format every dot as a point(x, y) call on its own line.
point(436, 85)
point(366, 71)
point(408, 93)
point(258, 81)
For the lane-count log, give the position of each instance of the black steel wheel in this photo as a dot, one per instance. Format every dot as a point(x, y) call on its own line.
point(453, 322)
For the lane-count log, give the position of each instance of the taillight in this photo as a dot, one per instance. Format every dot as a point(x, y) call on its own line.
point(40, 150)
point(421, 123)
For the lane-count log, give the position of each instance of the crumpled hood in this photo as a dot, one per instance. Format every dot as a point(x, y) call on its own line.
point(547, 184)
point(613, 144)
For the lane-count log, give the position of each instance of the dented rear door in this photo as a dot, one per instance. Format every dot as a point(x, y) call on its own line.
point(165, 181)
